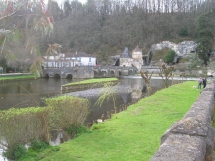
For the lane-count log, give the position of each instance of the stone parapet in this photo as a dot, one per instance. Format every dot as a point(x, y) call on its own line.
point(192, 137)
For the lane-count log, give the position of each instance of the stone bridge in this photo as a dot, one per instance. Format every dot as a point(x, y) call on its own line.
point(89, 72)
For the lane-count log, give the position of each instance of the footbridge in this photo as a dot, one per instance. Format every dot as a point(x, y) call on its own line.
point(89, 72)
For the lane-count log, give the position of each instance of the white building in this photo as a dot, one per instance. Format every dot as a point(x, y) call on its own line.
point(70, 60)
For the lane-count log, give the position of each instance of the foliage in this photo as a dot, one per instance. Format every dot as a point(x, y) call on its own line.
point(166, 73)
point(108, 92)
point(169, 57)
point(160, 54)
point(16, 152)
point(136, 134)
point(205, 36)
point(66, 111)
point(38, 145)
point(21, 126)
point(20, 21)
point(76, 130)
point(183, 32)
point(16, 77)
point(194, 61)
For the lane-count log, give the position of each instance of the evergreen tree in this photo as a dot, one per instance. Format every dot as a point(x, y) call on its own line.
point(205, 36)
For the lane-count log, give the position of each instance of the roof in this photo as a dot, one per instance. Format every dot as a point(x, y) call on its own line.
point(137, 49)
point(78, 54)
point(125, 54)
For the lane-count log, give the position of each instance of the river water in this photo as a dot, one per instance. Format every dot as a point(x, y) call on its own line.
point(30, 93)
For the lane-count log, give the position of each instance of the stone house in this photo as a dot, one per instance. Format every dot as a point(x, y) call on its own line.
point(133, 59)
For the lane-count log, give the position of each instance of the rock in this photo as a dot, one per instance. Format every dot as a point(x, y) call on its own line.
point(182, 49)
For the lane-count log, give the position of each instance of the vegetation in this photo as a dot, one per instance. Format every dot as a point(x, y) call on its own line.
point(102, 28)
point(26, 125)
point(205, 36)
point(91, 81)
point(135, 135)
point(166, 73)
point(16, 77)
point(146, 78)
point(108, 92)
point(169, 57)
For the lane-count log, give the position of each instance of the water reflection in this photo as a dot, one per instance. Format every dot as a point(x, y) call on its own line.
point(29, 93)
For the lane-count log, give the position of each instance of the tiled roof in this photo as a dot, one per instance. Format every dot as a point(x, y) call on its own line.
point(137, 49)
point(125, 54)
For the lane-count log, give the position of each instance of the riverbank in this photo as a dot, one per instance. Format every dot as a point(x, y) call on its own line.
point(15, 76)
point(134, 135)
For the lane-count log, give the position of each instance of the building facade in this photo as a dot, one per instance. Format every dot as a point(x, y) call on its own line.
point(70, 60)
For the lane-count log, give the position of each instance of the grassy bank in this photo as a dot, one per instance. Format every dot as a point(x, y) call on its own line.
point(16, 77)
point(135, 135)
point(91, 81)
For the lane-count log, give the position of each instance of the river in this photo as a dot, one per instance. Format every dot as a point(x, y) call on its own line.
point(30, 93)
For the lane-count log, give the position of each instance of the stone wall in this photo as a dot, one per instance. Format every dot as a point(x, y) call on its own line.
point(192, 137)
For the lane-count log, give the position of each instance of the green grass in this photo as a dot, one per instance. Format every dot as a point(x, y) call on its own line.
point(16, 77)
point(91, 81)
point(135, 134)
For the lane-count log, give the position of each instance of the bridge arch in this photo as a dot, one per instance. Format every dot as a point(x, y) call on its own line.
point(130, 72)
point(104, 74)
point(57, 75)
point(96, 73)
point(69, 76)
point(46, 75)
point(120, 73)
point(112, 73)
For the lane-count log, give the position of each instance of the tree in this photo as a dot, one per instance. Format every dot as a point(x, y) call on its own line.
point(20, 20)
point(205, 36)
point(169, 57)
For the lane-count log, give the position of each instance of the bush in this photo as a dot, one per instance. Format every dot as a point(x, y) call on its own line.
point(75, 130)
point(16, 152)
point(169, 57)
point(39, 145)
point(183, 32)
point(66, 111)
point(21, 126)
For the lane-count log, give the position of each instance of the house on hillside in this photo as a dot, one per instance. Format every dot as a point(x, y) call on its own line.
point(70, 60)
point(125, 59)
point(133, 59)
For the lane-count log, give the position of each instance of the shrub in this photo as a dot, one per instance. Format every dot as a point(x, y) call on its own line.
point(39, 145)
point(75, 130)
point(21, 126)
point(169, 57)
point(183, 32)
point(16, 152)
point(66, 111)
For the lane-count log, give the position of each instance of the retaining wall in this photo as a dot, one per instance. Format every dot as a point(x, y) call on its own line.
point(192, 137)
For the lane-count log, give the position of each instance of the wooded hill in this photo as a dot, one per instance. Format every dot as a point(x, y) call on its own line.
point(105, 27)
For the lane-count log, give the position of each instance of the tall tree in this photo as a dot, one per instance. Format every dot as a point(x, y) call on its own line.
point(205, 35)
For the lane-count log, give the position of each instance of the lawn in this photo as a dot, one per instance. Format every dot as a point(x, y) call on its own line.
point(134, 135)
point(16, 77)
